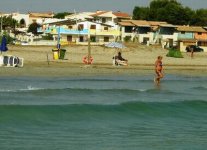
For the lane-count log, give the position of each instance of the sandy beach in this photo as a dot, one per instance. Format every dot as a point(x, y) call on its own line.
point(141, 61)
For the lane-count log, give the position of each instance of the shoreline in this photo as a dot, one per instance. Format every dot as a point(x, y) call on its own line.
point(56, 69)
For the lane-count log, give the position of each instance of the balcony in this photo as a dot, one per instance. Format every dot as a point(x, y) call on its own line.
point(55, 30)
point(104, 32)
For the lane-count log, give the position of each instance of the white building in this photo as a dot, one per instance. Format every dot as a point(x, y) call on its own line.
point(23, 19)
point(110, 18)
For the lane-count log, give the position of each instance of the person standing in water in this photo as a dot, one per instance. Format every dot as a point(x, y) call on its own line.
point(158, 69)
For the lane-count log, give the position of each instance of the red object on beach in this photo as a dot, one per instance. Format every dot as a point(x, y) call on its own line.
point(87, 61)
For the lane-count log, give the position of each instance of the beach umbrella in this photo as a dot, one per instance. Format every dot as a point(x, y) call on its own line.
point(115, 45)
point(3, 46)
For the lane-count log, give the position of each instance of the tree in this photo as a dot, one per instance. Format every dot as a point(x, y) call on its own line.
point(200, 17)
point(174, 14)
point(9, 22)
point(163, 10)
point(33, 28)
point(141, 13)
point(61, 15)
point(170, 11)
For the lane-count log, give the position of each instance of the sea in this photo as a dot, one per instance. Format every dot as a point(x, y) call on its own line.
point(103, 113)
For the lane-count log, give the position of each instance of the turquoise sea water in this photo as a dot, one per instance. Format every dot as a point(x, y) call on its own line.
point(103, 113)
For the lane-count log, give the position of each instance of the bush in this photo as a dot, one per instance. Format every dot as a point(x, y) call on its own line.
point(47, 37)
point(174, 53)
point(9, 39)
point(127, 38)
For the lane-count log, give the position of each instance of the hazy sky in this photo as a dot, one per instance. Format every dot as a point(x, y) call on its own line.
point(84, 5)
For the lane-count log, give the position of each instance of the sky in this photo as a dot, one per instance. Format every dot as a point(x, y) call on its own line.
point(24, 6)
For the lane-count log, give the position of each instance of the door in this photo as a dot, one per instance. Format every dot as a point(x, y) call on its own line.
point(69, 38)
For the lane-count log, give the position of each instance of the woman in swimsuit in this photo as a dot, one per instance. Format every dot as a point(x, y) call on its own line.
point(158, 69)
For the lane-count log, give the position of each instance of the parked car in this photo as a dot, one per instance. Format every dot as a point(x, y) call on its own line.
point(194, 47)
point(24, 43)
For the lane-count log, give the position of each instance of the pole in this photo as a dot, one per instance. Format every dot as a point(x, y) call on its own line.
point(48, 61)
point(1, 24)
point(89, 44)
point(58, 42)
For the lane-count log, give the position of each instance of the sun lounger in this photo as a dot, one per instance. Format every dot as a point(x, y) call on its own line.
point(11, 61)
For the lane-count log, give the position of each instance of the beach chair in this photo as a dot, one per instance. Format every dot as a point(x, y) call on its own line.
point(20, 62)
point(11, 61)
point(5, 60)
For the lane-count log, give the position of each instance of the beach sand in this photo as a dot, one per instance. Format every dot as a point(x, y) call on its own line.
point(141, 61)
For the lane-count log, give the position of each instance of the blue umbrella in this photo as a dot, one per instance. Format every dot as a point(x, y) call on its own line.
point(115, 45)
point(3, 47)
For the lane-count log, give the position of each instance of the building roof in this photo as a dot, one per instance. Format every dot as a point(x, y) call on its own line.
point(73, 21)
point(121, 15)
point(191, 29)
point(187, 40)
point(63, 22)
point(110, 14)
point(98, 13)
point(157, 23)
point(125, 23)
point(82, 15)
point(140, 23)
point(168, 25)
point(41, 14)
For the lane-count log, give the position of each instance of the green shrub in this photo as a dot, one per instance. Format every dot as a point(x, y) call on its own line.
point(174, 53)
point(47, 37)
point(8, 38)
point(127, 38)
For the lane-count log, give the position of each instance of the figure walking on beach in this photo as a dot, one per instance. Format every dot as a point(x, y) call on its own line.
point(158, 69)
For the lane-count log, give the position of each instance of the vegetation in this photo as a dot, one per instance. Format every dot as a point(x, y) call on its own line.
point(174, 53)
point(127, 39)
point(61, 15)
point(8, 38)
point(172, 12)
point(47, 37)
point(33, 28)
point(8, 22)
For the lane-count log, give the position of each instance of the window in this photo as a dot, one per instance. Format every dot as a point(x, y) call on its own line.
point(93, 27)
point(69, 38)
point(93, 39)
point(199, 33)
point(106, 39)
point(202, 43)
point(115, 20)
point(81, 39)
point(106, 28)
point(70, 27)
point(80, 27)
point(128, 29)
point(103, 20)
